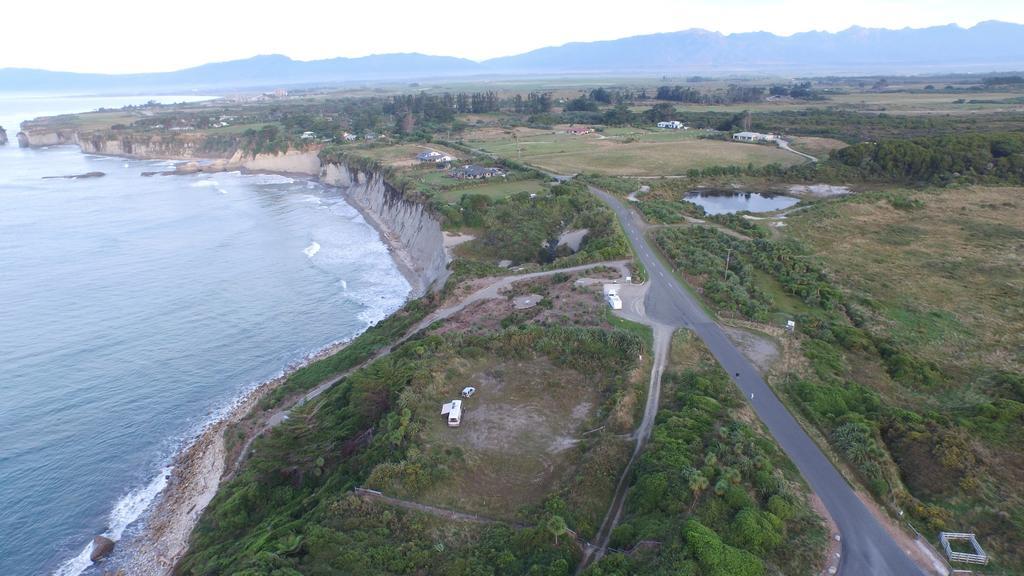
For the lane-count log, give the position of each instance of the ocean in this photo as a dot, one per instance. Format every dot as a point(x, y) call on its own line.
point(135, 310)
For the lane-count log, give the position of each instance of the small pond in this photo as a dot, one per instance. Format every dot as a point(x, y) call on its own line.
point(732, 202)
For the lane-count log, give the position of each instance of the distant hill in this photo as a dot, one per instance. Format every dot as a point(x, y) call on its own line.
point(259, 71)
point(987, 46)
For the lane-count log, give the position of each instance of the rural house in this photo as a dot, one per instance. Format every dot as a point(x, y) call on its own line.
point(672, 124)
point(756, 137)
point(579, 130)
point(474, 172)
point(435, 157)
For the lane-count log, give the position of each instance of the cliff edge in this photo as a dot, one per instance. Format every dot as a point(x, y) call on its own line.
point(409, 227)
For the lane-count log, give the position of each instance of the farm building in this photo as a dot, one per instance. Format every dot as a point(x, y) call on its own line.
point(453, 410)
point(579, 130)
point(308, 135)
point(474, 172)
point(672, 124)
point(753, 137)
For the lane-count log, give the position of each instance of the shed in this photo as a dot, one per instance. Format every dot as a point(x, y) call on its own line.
point(453, 410)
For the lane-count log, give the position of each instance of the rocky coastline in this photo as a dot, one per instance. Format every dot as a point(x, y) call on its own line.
point(416, 243)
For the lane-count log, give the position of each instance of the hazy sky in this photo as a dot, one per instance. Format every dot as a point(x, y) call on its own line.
point(116, 36)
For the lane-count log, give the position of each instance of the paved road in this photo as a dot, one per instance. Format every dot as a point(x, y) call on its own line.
point(867, 548)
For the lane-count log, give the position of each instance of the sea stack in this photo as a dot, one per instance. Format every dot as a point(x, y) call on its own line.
point(101, 548)
point(3, 136)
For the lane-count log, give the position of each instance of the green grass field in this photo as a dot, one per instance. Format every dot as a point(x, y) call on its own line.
point(947, 268)
point(627, 152)
point(492, 189)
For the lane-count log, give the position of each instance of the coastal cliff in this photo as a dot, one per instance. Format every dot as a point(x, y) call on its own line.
point(410, 228)
point(172, 147)
point(407, 225)
point(29, 138)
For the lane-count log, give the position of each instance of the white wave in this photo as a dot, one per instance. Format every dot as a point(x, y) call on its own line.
point(344, 285)
point(126, 165)
point(206, 183)
point(221, 190)
point(264, 179)
point(311, 250)
point(127, 510)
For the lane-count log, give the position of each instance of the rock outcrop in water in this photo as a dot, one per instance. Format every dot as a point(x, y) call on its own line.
point(409, 224)
point(77, 176)
point(3, 136)
point(101, 548)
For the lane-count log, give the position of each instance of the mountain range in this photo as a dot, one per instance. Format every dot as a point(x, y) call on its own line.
point(985, 47)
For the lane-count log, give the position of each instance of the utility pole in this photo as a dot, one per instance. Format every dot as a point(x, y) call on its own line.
point(728, 257)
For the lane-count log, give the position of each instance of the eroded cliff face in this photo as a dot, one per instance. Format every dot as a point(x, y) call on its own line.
point(140, 146)
point(190, 147)
point(293, 161)
point(28, 138)
point(410, 225)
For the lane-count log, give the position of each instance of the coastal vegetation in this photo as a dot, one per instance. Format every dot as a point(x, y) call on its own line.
point(292, 509)
point(712, 494)
point(907, 365)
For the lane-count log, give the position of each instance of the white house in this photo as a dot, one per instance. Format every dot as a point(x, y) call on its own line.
point(348, 137)
point(428, 156)
point(673, 124)
point(308, 135)
point(753, 137)
point(453, 410)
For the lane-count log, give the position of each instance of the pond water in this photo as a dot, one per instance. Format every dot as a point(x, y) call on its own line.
point(731, 202)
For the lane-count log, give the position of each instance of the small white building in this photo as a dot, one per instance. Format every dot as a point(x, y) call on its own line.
point(348, 137)
point(753, 137)
point(672, 124)
point(309, 135)
point(453, 410)
point(468, 391)
point(790, 326)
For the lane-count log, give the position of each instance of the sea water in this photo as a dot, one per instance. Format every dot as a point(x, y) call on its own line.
point(135, 310)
